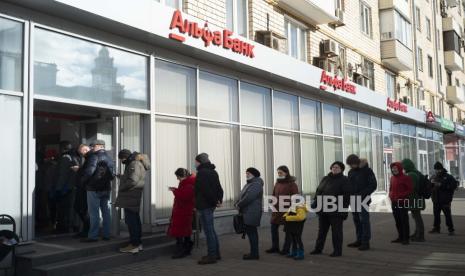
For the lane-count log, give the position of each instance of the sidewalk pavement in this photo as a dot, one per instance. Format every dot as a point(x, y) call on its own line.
point(439, 255)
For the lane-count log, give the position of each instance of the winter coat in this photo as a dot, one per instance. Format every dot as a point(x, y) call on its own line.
point(416, 201)
point(132, 182)
point(334, 185)
point(183, 209)
point(401, 185)
point(92, 163)
point(443, 191)
point(66, 177)
point(283, 187)
point(363, 181)
point(208, 190)
point(295, 219)
point(250, 202)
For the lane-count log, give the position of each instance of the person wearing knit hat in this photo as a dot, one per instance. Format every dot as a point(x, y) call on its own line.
point(208, 196)
point(124, 154)
point(250, 204)
point(442, 194)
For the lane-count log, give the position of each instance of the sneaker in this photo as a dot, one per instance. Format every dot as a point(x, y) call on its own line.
point(272, 250)
point(207, 260)
point(249, 257)
point(141, 247)
point(364, 247)
point(354, 244)
point(316, 252)
point(130, 249)
point(434, 231)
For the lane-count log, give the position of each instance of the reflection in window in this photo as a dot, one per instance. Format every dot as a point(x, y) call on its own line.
point(73, 68)
point(218, 97)
point(11, 54)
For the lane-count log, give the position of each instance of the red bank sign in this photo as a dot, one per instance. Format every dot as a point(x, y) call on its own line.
point(217, 38)
point(337, 83)
point(396, 105)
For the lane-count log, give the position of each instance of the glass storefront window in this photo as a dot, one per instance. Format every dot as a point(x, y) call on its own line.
point(312, 162)
point(429, 134)
point(255, 105)
point(175, 89)
point(311, 116)
point(331, 120)
point(387, 140)
point(421, 132)
point(11, 55)
point(396, 128)
point(404, 129)
point(333, 151)
point(287, 152)
point(72, 68)
point(412, 130)
point(377, 161)
point(218, 97)
point(351, 142)
point(221, 142)
point(397, 147)
point(375, 122)
point(364, 120)
point(286, 112)
point(10, 166)
point(431, 157)
point(350, 117)
point(365, 144)
point(387, 125)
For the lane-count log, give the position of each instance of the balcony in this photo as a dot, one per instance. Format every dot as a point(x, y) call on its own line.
point(449, 24)
point(396, 55)
point(453, 61)
point(401, 6)
point(315, 12)
point(455, 95)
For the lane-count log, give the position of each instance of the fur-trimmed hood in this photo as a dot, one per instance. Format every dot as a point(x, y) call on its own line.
point(144, 159)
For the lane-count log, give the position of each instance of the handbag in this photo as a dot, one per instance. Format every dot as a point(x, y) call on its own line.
point(239, 226)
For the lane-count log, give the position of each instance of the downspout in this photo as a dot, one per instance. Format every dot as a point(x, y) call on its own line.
point(436, 54)
point(414, 36)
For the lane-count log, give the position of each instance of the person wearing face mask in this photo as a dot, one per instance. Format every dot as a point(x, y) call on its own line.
point(334, 185)
point(250, 206)
point(285, 187)
point(130, 193)
point(183, 213)
point(399, 193)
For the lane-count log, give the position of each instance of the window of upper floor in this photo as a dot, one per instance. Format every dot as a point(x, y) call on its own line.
point(419, 59)
point(296, 34)
point(177, 4)
point(365, 74)
point(430, 66)
point(390, 85)
point(365, 19)
point(237, 16)
point(418, 18)
point(451, 41)
point(394, 26)
point(428, 28)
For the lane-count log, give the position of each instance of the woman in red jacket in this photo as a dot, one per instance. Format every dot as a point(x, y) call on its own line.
point(182, 214)
point(399, 192)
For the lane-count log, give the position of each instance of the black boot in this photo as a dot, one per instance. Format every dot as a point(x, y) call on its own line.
point(188, 244)
point(179, 251)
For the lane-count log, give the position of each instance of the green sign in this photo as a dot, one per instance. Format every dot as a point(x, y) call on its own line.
point(446, 124)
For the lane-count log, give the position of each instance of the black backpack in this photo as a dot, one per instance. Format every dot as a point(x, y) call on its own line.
point(425, 186)
point(102, 177)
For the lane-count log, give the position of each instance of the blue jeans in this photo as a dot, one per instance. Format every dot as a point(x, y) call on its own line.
point(98, 201)
point(362, 225)
point(207, 220)
point(134, 224)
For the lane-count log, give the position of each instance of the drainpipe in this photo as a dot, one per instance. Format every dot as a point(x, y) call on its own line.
point(414, 36)
point(436, 50)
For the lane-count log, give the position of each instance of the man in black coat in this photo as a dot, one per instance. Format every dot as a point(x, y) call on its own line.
point(80, 200)
point(97, 175)
point(444, 186)
point(208, 196)
point(363, 182)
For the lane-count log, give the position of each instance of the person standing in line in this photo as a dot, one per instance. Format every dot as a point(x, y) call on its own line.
point(183, 213)
point(399, 193)
point(129, 198)
point(208, 196)
point(444, 186)
point(98, 175)
point(363, 181)
point(332, 187)
point(80, 200)
point(416, 201)
point(294, 226)
point(285, 187)
point(250, 206)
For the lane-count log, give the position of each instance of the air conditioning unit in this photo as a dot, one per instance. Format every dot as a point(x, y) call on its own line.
point(269, 38)
point(387, 36)
point(452, 3)
point(330, 47)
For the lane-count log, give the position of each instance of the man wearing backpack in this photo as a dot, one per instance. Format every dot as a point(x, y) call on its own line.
point(97, 176)
point(444, 186)
point(208, 196)
point(416, 200)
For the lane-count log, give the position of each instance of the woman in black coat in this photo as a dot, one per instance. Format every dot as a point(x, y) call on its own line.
point(335, 184)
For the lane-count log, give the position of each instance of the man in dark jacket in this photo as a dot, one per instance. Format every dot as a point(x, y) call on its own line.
point(208, 196)
point(444, 186)
point(64, 186)
point(130, 194)
point(80, 200)
point(363, 183)
point(98, 174)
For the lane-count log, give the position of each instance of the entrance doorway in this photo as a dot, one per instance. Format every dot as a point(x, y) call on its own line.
point(55, 123)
